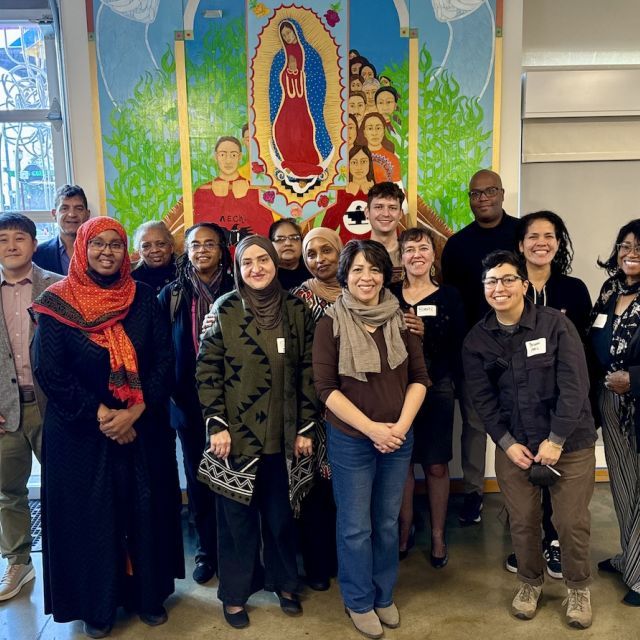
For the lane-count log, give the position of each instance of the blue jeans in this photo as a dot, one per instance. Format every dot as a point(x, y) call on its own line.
point(368, 487)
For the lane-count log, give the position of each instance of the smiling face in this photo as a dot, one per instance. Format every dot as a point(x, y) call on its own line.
point(357, 107)
point(506, 300)
point(204, 251)
point(228, 156)
point(629, 258)
point(486, 209)
point(322, 260)
point(257, 268)
point(418, 257)
point(384, 215)
point(540, 243)
point(155, 248)
point(16, 250)
point(70, 214)
point(373, 132)
point(359, 166)
point(106, 261)
point(365, 281)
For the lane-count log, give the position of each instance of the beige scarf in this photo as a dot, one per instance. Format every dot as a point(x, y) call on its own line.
point(359, 354)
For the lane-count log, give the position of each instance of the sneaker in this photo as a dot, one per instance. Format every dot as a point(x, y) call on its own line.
point(14, 578)
point(553, 558)
point(471, 510)
point(525, 602)
point(511, 563)
point(578, 603)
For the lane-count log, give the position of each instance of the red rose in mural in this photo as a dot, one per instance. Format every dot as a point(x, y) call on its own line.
point(257, 167)
point(332, 18)
point(269, 196)
point(323, 201)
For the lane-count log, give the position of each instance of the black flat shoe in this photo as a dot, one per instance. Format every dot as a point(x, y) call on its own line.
point(203, 572)
point(96, 630)
point(439, 563)
point(319, 585)
point(238, 620)
point(632, 598)
point(290, 606)
point(607, 567)
point(156, 618)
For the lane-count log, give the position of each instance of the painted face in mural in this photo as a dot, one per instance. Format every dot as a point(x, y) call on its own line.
point(367, 73)
point(352, 132)
point(288, 34)
point(487, 209)
point(369, 89)
point(386, 104)
point(256, 268)
point(355, 68)
point(322, 260)
point(357, 107)
point(384, 81)
point(540, 243)
point(418, 256)
point(107, 259)
point(373, 133)
point(359, 166)
point(356, 84)
point(228, 156)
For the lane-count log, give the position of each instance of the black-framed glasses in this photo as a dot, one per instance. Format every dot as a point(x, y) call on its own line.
point(507, 281)
point(208, 245)
point(294, 237)
point(101, 245)
point(489, 192)
point(627, 247)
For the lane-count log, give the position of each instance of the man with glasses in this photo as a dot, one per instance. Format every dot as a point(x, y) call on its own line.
point(71, 211)
point(527, 377)
point(21, 401)
point(462, 259)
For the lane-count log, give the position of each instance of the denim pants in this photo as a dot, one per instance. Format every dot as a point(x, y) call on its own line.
point(368, 487)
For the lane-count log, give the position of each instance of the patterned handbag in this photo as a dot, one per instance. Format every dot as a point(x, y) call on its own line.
point(233, 478)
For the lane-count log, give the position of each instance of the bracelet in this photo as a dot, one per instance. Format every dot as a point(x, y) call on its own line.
point(555, 445)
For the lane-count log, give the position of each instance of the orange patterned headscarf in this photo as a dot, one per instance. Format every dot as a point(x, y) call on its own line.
point(79, 302)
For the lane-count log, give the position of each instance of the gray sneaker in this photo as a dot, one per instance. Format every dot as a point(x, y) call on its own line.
point(525, 602)
point(14, 578)
point(578, 603)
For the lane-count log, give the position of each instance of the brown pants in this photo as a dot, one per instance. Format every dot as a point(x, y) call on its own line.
point(570, 497)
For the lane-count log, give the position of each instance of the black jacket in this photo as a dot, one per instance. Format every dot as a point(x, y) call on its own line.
point(531, 383)
point(47, 256)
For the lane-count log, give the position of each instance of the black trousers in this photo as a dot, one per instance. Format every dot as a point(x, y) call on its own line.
point(201, 499)
point(317, 532)
point(239, 541)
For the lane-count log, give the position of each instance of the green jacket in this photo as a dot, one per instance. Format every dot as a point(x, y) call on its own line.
point(233, 378)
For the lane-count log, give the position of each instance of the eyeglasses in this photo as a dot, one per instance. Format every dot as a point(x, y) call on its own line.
point(626, 247)
point(158, 244)
point(101, 245)
point(209, 245)
point(489, 192)
point(507, 281)
point(295, 237)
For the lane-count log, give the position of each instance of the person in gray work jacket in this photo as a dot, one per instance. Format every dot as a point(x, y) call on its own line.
point(528, 382)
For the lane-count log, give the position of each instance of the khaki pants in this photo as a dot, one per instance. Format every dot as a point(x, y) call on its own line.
point(570, 497)
point(16, 450)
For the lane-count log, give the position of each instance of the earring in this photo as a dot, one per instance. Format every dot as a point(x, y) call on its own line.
point(432, 271)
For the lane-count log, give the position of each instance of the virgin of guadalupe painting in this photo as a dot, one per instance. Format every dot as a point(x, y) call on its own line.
point(295, 74)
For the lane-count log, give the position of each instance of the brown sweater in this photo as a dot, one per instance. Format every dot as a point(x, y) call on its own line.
point(381, 397)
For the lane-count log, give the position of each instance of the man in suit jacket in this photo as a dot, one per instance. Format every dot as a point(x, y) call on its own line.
point(71, 211)
point(21, 401)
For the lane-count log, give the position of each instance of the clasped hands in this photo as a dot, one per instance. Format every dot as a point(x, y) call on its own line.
point(619, 382)
point(386, 436)
point(117, 424)
point(548, 453)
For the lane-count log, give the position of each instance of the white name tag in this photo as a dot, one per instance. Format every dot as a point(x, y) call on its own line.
point(600, 321)
point(281, 344)
point(427, 310)
point(534, 347)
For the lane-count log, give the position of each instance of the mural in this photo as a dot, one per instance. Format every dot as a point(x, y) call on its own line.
point(284, 120)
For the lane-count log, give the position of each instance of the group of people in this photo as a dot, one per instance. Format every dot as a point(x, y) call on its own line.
point(304, 379)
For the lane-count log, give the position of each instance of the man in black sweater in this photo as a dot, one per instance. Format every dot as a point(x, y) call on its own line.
point(462, 259)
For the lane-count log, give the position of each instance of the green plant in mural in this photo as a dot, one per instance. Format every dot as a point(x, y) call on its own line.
point(144, 150)
point(217, 94)
point(452, 144)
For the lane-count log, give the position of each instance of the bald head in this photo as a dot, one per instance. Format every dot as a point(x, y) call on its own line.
point(485, 198)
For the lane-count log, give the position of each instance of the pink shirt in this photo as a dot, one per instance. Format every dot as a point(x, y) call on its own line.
point(16, 299)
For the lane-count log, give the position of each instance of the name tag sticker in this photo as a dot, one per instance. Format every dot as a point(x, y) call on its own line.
point(280, 343)
point(600, 321)
point(427, 310)
point(535, 347)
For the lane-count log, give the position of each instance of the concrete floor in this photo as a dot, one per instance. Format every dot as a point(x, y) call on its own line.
point(468, 598)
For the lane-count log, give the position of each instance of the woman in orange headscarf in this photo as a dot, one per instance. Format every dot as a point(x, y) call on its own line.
point(111, 499)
